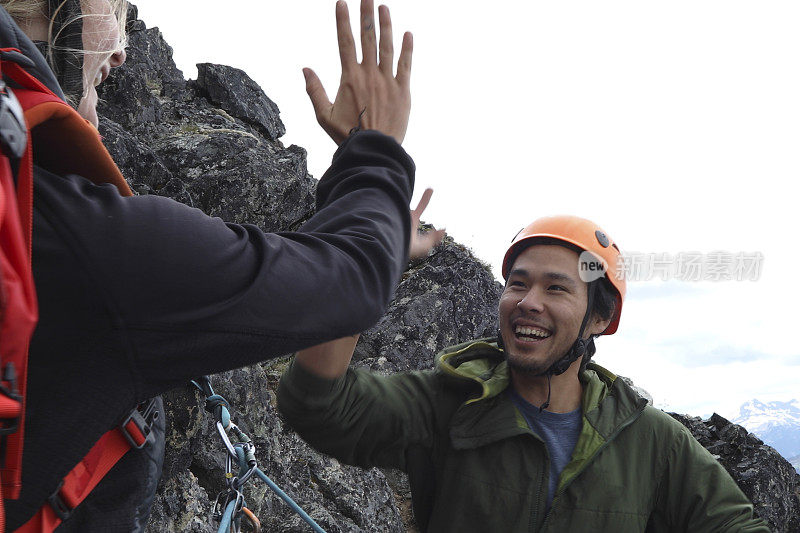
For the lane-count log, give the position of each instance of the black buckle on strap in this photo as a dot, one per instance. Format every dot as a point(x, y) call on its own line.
point(62, 510)
point(143, 417)
point(9, 425)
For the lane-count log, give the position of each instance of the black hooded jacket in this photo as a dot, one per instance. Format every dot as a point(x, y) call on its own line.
point(139, 294)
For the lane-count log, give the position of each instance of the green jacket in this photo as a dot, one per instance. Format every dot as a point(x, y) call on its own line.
point(475, 465)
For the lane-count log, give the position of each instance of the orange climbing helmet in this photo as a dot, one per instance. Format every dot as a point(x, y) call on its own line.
point(584, 234)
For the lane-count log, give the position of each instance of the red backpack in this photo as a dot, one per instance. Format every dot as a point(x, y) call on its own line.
point(18, 309)
point(36, 126)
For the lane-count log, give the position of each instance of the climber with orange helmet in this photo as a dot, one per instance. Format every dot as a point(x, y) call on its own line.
point(522, 432)
point(523, 322)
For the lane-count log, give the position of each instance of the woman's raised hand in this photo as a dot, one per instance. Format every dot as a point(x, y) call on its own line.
point(370, 95)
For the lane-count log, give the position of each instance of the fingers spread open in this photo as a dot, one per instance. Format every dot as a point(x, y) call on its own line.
point(385, 46)
point(347, 46)
point(368, 40)
point(404, 63)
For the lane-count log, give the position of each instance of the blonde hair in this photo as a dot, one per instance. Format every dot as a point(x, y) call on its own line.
point(26, 10)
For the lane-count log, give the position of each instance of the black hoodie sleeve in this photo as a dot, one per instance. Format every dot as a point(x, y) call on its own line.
point(184, 294)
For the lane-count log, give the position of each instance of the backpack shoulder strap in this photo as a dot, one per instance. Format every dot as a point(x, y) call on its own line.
point(134, 433)
point(18, 307)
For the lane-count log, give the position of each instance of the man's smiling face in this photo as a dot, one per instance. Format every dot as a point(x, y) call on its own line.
point(542, 307)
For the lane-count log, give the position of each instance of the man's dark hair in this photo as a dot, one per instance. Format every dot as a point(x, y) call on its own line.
point(605, 298)
point(604, 306)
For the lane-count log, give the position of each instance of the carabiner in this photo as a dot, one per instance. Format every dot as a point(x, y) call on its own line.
point(225, 440)
point(253, 519)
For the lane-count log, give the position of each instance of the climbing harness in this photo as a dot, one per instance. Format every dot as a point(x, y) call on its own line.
point(230, 507)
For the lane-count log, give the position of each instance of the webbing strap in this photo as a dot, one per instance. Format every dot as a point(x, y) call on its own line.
point(87, 474)
point(82, 479)
point(9, 408)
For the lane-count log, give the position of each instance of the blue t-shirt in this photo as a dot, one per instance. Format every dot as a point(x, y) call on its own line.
point(559, 431)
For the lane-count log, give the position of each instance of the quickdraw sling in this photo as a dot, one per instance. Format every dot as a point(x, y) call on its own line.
point(230, 506)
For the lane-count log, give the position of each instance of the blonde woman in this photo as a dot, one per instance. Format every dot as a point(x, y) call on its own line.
point(138, 294)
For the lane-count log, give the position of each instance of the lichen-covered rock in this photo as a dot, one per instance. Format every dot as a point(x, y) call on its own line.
point(763, 474)
point(169, 138)
point(445, 299)
point(142, 92)
point(213, 144)
point(236, 92)
point(181, 506)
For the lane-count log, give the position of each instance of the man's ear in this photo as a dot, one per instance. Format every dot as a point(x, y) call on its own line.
point(597, 325)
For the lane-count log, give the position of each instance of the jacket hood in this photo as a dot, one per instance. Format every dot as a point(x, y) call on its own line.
point(11, 36)
point(481, 361)
point(608, 403)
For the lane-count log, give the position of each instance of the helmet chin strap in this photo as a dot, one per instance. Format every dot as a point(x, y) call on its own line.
point(576, 351)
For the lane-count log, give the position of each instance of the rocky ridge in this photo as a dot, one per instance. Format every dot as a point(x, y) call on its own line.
point(214, 144)
point(777, 423)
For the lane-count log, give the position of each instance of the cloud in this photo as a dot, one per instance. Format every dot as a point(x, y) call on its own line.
point(655, 290)
point(695, 353)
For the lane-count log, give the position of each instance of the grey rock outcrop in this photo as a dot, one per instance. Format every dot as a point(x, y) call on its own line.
point(763, 474)
point(640, 391)
point(203, 144)
point(446, 299)
point(214, 144)
point(235, 92)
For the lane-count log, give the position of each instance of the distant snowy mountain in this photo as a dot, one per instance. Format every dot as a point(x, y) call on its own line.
point(776, 423)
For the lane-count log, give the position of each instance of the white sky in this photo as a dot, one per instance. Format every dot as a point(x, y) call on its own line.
point(675, 125)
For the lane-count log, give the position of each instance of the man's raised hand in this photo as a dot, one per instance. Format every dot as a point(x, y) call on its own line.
point(422, 243)
point(370, 95)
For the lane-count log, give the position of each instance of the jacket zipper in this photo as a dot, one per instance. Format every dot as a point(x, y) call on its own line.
point(586, 464)
point(534, 515)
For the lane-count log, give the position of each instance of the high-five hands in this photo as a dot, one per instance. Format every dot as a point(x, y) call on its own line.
point(370, 95)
